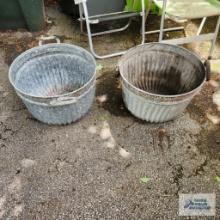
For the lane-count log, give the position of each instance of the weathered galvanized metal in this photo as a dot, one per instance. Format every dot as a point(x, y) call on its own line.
point(160, 80)
point(56, 82)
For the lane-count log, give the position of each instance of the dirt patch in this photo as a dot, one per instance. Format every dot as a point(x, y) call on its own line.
point(208, 139)
point(13, 43)
point(203, 104)
point(109, 85)
point(209, 143)
point(198, 106)
point(13, 50)
point(49, 3)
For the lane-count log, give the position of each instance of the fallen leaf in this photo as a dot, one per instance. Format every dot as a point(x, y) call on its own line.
point(32, 44)
point(217, 179)
point(18, 48)
point(144, 179)
point(99, 67)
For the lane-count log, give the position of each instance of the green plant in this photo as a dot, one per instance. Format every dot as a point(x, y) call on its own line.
point(144, 179)
point(135, 5)
point(217, 178)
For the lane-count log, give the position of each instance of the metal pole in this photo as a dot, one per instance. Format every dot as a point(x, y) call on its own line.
point(143, 21)
point(214, 39)
point(81, 17)
point(162, 20)
point(201, 26)
point(147, 11)
point(90, 36)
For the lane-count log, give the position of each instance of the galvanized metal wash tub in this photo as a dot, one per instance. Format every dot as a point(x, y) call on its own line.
point(56, 82)
point(160, 80)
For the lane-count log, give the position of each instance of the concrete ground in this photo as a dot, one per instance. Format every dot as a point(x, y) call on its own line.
point(92, 169)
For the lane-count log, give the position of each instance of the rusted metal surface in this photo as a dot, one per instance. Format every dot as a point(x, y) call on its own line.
point(160, 80)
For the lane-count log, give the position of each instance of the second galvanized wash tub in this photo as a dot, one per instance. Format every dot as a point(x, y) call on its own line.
point(160, 80)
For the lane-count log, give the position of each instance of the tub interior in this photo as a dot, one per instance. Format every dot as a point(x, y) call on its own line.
point(52, 74)
point(162, 72)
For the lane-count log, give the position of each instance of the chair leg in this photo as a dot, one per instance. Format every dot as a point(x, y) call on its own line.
point(162, 20)
point(201, 26)
point(81, 18)
point(113, 31)
point(90, 37)
point(165, 30)
point(162, 30)
point(214, 39)
point(104, 32)
point(143, 16)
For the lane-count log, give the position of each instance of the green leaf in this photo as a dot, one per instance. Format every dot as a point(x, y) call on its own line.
point(99, 67)
point(144, 179)
point(217, 179)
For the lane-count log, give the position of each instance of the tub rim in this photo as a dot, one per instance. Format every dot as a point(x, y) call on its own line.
point(161, 95)
point(55, 45)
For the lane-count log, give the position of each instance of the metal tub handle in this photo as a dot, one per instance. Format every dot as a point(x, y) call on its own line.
point(207, 66)
point(64, 101)
point(43, 38)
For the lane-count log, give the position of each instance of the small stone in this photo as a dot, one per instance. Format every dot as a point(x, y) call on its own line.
point(102, 98)
point(162, 131)
point(17, 210)
point(213, 118)
point(5, 94)
point(26, 163)
point(105, 132)
point(217, 141)
point(214, 83)
point(92, 130)
point(216, 98)
point(124, 153)
point(2, 201)
point(110, 143)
